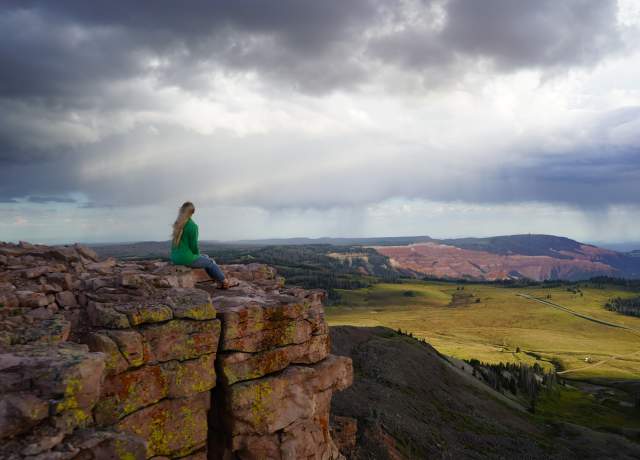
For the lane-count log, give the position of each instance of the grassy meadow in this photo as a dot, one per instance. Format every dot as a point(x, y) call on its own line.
point(494, 324)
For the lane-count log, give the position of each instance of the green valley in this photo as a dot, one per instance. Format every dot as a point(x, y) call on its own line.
point(595, 351)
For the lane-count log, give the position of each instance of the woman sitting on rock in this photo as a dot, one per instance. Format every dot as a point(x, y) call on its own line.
point(184, 246)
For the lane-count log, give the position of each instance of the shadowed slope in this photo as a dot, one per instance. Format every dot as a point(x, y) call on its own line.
point(411, 403)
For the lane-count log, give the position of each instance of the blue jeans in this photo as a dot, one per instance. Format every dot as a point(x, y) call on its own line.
point(210, 266)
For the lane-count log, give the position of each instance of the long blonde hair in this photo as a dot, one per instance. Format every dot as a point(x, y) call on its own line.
point(186, 211)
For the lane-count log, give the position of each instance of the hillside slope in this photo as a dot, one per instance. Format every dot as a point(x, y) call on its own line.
point(536, 257)
point(411, 403)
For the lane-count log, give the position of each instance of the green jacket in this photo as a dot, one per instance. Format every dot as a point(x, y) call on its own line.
point(187, 251)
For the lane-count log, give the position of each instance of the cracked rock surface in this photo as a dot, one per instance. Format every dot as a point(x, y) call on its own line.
point(122, 359)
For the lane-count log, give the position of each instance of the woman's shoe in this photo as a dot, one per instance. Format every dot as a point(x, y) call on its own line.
point(226, 284)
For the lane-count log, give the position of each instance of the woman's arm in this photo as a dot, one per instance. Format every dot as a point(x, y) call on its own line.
point(194, 240)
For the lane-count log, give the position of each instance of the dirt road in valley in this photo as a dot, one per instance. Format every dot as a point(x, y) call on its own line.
point(588, 318)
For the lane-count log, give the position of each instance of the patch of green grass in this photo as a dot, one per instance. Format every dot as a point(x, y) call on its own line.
point(504, 327)
point(383, 295)
point(571, 405)
point(493, 329)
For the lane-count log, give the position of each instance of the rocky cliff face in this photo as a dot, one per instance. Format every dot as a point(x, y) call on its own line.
point(111, 359)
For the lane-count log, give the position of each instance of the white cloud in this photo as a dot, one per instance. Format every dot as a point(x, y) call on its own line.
point(443, 140)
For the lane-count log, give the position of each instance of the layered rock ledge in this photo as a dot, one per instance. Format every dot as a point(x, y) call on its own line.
point(133, 360)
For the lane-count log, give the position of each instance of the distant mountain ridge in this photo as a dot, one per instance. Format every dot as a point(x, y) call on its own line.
point(383, 240)
point(527, 244)
point(533, 256)
point(537, 257)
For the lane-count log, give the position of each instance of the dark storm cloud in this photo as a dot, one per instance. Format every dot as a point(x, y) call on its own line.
point(55, 59)
point(590, 179)
point(62, 57)
point(511, 35)
point(64, 48)
point(532, 34)
point(54, 49)
point(43, 177)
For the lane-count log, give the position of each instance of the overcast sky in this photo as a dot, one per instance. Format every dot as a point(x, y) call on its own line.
point(320, 118)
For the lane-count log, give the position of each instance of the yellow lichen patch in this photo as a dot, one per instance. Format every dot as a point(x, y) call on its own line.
point(74, 413)
point(201, 312)
point(80, 417)
point(192, 376)
point(229, 375)
point(188, 432)
point(149, 314)
point(122, 452)
point(158, 442)
point(260, 407)
point(113, 356)
point(289, 332)
point(70, 400)
point(129, 391)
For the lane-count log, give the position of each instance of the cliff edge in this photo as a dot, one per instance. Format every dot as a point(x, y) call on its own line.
point(132, 360)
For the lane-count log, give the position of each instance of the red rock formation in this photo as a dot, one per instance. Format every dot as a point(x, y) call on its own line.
point(107, 359)
point(443, 261)
point(276, 375)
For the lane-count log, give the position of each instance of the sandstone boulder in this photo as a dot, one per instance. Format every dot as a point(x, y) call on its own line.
point(114, 360)
point(129, 391)
point(63, 253)
point(144, 311)
point(29, 329)
point(20, 411)
point(66, 299)
point(92, 444)
point(130, 345)
point(64, 280)
point(168, 275)
point(35, 272)
point(104, 315)
point(255, 324)
point(105, 267)
point(67, 378)
point(30, 299)
point(8, 298)
point(173, 427)
point(86, 252)
point(187, 378)
point(239, 366)
point(269, 404)
point(200, 275)
point(306, 437)
point(180, 339)
point(191, 303)
point(155, 349)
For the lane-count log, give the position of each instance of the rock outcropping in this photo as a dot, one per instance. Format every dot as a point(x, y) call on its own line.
point(132, 360)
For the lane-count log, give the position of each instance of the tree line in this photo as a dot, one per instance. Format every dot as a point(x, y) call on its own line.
point(311, 266)
point(629, 306)
point(521, 380)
